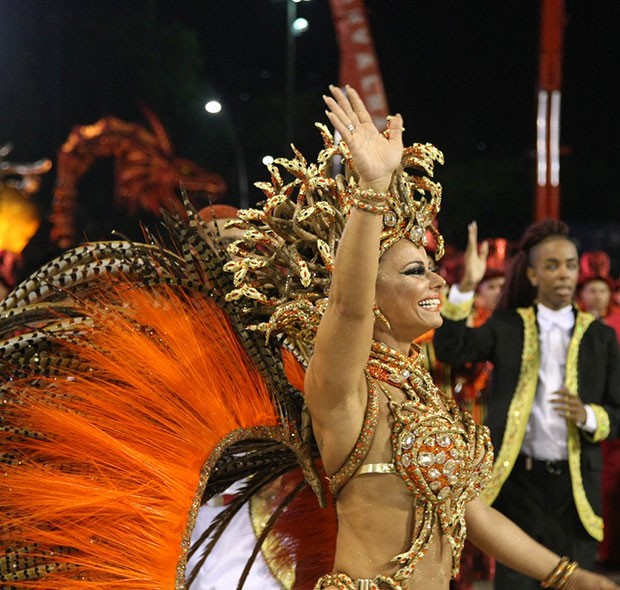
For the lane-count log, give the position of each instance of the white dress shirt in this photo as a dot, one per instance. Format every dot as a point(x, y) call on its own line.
point(546, 436)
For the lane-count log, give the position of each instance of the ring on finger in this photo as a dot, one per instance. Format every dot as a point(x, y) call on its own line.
point(351, 127)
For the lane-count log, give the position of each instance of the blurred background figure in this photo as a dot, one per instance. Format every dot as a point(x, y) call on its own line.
point(596, 287)
point(595, 296)
point(471, 381)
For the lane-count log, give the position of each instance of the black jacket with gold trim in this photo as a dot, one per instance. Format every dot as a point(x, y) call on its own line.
point(509, 339)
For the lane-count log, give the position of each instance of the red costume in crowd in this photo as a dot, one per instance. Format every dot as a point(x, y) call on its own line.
point(595, 289)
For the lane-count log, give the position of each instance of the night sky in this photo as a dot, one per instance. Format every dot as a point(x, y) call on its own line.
point(462, 73)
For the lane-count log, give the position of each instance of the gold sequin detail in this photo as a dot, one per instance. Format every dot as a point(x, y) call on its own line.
point(443, 457)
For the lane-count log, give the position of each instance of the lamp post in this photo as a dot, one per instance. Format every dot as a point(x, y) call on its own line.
point(214, 107)
point(294, 28)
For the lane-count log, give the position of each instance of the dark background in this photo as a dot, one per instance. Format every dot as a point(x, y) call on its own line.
point(462, 73)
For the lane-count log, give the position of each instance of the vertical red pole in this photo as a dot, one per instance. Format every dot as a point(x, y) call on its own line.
point(552, 23)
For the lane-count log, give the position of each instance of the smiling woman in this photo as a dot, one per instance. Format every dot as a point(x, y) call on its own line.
point(407, 290)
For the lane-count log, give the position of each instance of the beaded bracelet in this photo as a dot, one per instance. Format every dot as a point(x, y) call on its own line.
point(370, 201)
point(560, 575)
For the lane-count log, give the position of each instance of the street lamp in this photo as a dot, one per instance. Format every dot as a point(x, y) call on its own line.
point(214, 107)
point(299, 26)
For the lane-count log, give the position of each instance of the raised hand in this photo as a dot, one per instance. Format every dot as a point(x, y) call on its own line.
point(475, 260)
point(375, 155)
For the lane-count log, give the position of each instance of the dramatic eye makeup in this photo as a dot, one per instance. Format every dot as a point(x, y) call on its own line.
point(415, 268)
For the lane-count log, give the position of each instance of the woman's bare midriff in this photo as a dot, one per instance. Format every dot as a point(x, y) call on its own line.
point(375, 523)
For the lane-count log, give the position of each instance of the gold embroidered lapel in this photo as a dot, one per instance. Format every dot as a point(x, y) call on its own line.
point(590, 520)
point(520, 406)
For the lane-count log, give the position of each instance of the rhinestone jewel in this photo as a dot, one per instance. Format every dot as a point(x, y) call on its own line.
point(390, 219)
point(440, 458)
point(443, 493)
point(408, 442)
point(434, 473)
point(450, 467)
point(444, 440)
point(426, 459)
point(435, 485)
point(406, 460)
point(417, 233)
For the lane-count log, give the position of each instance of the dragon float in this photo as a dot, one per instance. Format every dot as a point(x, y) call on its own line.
point(148, 175)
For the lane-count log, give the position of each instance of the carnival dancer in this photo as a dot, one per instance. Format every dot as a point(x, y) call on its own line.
point(472, 379)
point(331, 269)
point(405, 466)
point(555, 396)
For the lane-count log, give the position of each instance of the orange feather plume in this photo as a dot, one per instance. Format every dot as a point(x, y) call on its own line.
point(119, 471)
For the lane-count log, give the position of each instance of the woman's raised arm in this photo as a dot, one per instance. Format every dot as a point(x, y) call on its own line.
point(335, 373)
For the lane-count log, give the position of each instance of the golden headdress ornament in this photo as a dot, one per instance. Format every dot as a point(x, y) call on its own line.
point(284, 261)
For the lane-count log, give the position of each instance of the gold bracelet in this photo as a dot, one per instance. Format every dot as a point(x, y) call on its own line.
point(568, 574)
point(560, 575)
point(370, 201)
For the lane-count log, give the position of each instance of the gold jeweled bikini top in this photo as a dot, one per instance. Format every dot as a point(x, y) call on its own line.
point(442, 455)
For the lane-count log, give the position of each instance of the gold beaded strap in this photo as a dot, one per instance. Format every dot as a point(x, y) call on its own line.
point(560, 575)
point(362, 446)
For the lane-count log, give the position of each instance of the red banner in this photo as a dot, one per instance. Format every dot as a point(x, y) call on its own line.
point(359, 66)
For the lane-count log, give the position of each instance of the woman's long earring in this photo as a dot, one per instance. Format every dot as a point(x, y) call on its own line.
point(379, 315)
